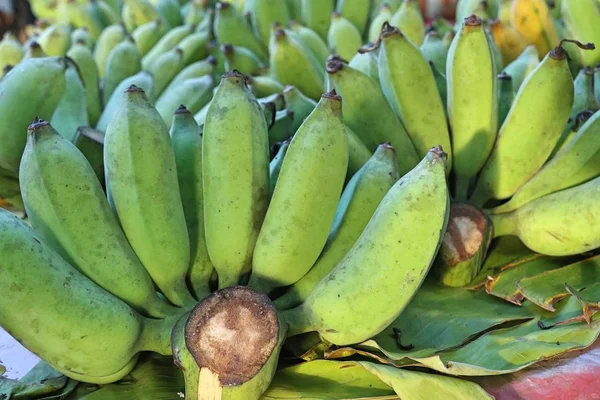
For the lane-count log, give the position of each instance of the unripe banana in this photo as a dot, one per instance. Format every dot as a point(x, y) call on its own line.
point(472, 102)
point(509, 41)
point(384, 14)
point(369, 115)
point(520, 68)
point(169, 11)
point(281, 128)
point(84, 59)
point(570, 131)
point(147, 35)
point(275, 166)
point(299, 104)
point(60, 189)
point(124, 61)
point(102, 12)
point(434, 49)
point(367, 63)
point(166, 43)
point(312, 41)
point(541, 109)
point(506, 96)
point(577, 162)
point(315, 14)
point(295, 9)
point(358, 153)
point(34, 50)
point(532, 20)
point(78, 16)
point(11, 51)
point(294, 232)
point(109, 38)
point(291, 65)
point(196, 92)
point(398, 245)
point(241, 59)
point(194, 47)
point(355, 11)
point(465, 8)
point(231, 27)
point(235, 163)
point(360, 198)
point(582, 18)
point(263, 13)
point(77, 327)
point(442, 85)
point(186, 137)
point(409, 20)
point(42, 82)
point(55, 40)
point(90, 143)
point(419, 107)
point(195, 70)
point(143, 185)
point(207, 23)
point(71, 111)
point(343, 38)
point(82, 35)
point(552, 225)
point(195, 12)
point(584, 98)
point(165, 68)
point(138, 12)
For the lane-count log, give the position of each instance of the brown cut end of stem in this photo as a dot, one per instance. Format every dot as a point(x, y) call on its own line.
point(37, 123)
point(559, 53)
point(332, 95)
point(473, 20)
point(181, 110)
point(233, 332)
point(438, 152)
point(334, 65)
point(134, 89)
point(465, 233)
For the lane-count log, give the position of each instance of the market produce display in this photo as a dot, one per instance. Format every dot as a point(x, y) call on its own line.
point(264, 199)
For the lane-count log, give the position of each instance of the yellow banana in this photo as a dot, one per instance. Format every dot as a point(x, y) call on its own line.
point(509, 41)
point(532, 20)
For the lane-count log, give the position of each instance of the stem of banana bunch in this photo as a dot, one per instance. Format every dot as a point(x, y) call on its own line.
point(296, 319)
point(504, 224)
point(156, 333)
point(461, 189)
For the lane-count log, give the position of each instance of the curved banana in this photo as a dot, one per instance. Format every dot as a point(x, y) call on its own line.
point(167, 42)
point(71, 111)
point(123, 61)
point(235, 169)
point(409, 20)
point(355, 11)
point(82, 35)
point(78, 15)
point(398, 245)
point(84, 59)
point(140, 169)
point(104, 13)
point(312, 40)
point(195, 70)
point(55, 40)
point(108, 39)
point(367, 63)
point(316, 14)
point(194, 47)
point(231, 27)
point(531, 18)
point(343, 38)
point(147, 35)
point(196, 92)
point(138, 12)
point(241, 59)
point(263, 86)
point(263, 13)
point(294, 232)
point(165, 68)
point(384, 13)
point(360, 198)
point(520, 68)
point(169, 11)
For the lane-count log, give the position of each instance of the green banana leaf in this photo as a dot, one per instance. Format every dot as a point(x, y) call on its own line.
point(547, 288)
point(585, 305)
point(42, 382)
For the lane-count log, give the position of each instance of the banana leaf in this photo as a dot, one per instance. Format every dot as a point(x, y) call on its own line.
point(547, 288)
point(42, 382)
point(585, 305)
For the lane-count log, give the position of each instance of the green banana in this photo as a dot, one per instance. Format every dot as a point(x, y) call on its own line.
point(84, 59)
point(358, 153)
point(78, 15)
point(576, 163)
point(409, 20)
point(195, 13)
point(397, 247)
point(355, 11)
point(315, 14)
point(77, 327)
point(241, 59)
point(291, 65)
point(441, 83)
point(90, 143)
point(557, 224)
point(419, 107)
point(34, 50)
point(434, 49)
point(42, 82)
point(262, 86)
point(383, 14)
point(295, 8)
point(581, 17)
point(195, 92)
point(299, 104)
point(522, 66)
point(466, 8)
point(281, 129)
point(195, 70)
point(60, 189)
point(9, 187)
point(506, 96)
point(312, 41)
point(109, 38)
point(194, 47)
point(147, 35)
point(11, 51)
point(235, 168)
point(294, 233)
point(103, 13)
point(169, 12)
point(71, 111)
point(165, 68)
point(472, 102)
point(360, 199)
point(124, 60)
point(138, 12)
point(169, 41)
point(145, 192)
point(275, 166)
point(55, 40)
point(207, 23)
point(541, 107)
point(367, 63)
point(231, 27)
point(186, 138)
point(263, 13)
point(82, 35)
point(584, 98)
point(570, 131)
point(368, 114)
point(343, 38)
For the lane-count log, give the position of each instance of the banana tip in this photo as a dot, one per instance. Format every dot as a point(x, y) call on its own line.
point(437, 153)
point(472, 20)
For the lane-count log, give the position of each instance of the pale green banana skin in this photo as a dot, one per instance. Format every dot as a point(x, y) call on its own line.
point(358, 153)
point(123, 61)
point(299, 104)
point(367, 63)
point(231, 27)
point(195, 92)
point(582, 18)
point(165, 68)
point(195, 70)
point(520, 68)
point(541, 108)
point(194, 14)
point(241, 59)
point(387, 264)
point(442, 85)
point(570, 131)
point(83, 35)
point(312, 40)
point(506, 96)
point(104, 13)
point(194, 47)
point(419, 107)
point(355, 11)
point(166, 43)
point(368, 114)
point(584, 98)
point(409, 20)
point(576, 163)
point(55, 40)
point(275, 166)
point(145, 191)
point(108, 39)
point(263, 14)
point(79, 16)
point(315, 14)
point(42, 82)
point(186, 137)
point(294, 232)
point(295, 8)
point(142, 80)
point(147, 35)
point(262, 86)
point(282, 127)
point(343, 37)
point(11, 51)
point(359, 201)
point(235, 169)
point(60, 190)
point(138, 12)
point(169, 11)
point(71, 111)
point(558, 224)
point(84, 59)
point(472, 102)
point(65, 318)
point(434, 49)
point(384, 13)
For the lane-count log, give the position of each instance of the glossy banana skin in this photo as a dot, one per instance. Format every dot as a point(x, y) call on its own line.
point(398, 245)
point(144, 189)
point(235, 170)
point(314, 169)
point(383, 14)
point(359, 200)
point(541, 109)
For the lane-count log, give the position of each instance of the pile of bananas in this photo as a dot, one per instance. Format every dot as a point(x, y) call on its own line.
point(204, 180)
